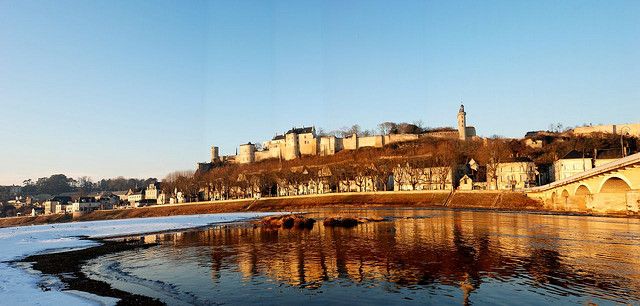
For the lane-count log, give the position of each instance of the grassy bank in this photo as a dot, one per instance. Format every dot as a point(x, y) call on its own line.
point(460, 199)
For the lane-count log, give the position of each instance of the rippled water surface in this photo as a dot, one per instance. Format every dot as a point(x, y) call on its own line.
point(417, 257)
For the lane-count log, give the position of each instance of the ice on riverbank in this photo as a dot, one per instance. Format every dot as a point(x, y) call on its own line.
point(19, 286)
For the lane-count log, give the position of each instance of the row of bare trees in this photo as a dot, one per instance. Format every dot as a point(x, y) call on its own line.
point(364, 170)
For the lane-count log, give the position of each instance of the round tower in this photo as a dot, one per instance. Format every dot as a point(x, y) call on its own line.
point(214, 154)
point(247, 153)
point(462, 123)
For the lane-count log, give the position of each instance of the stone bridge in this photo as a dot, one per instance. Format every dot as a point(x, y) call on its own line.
point(612, 187)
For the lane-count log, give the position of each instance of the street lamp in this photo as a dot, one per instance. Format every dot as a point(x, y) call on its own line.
point(622, 134)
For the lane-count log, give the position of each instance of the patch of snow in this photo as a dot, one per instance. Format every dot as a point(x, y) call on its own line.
point(19, 285)
point(100, 300)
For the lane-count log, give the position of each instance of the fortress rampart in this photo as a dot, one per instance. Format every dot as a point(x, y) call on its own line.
point(303, 141)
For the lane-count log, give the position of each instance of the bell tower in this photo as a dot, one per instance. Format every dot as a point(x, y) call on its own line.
point(462, 123)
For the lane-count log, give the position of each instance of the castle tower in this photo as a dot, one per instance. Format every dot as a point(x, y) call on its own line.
point(291, 146)
point(247, 153)
point(214, 154)
point(462, 123)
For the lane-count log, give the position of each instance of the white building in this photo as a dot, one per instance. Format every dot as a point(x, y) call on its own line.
point(571, 164)
point(511, 175)
point(86, 204)
point(152, 192)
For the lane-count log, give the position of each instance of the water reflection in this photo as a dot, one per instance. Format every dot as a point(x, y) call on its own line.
point(464, 256)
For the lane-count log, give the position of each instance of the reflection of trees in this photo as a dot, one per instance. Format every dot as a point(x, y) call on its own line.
point(405, 252)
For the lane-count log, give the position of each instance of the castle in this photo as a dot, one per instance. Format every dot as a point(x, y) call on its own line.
point(303, 141)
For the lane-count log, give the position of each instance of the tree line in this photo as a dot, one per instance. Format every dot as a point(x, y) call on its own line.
point(60, 183)
point(367, 167)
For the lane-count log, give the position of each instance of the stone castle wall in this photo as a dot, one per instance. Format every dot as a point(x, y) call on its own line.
point(371, 141)
point(350, 142)
point(294, 146)
point(632, 129)
point(327, 146)
point(267, 154)
point(388, 139)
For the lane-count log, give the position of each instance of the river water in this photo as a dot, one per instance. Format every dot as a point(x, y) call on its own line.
point(418, 256)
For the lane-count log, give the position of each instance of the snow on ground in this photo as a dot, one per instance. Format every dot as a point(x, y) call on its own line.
point(19, 284)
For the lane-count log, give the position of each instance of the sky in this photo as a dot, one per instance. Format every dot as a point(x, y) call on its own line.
point(142, 88)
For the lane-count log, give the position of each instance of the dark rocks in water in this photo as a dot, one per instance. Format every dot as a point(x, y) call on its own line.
point(340, 222)
point(287, 222)
point(349, 221)
point(302, 222)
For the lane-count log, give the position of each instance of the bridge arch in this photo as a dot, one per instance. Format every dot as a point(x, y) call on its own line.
point(582, 190)
point(582, 197)
point(564, 196)
point(615, 184)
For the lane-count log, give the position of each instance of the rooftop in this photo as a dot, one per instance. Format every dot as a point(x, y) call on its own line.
point(302, 130)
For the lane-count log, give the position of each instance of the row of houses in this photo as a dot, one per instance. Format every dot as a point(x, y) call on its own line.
point(518, 173)
point(70, 203)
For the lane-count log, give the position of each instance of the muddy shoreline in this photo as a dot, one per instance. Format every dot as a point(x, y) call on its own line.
point(67, 266)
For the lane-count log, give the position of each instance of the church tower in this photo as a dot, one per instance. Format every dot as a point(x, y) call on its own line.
point(462, 123)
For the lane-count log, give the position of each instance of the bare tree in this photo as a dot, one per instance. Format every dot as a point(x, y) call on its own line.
point(386, 128)
point(348, 131)
point(492, 154)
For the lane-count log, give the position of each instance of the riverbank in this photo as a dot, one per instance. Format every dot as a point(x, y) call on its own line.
point(458, 199)
point(22, 284)
point(68, 266)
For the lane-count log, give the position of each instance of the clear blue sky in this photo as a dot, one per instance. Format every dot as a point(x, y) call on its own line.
point(141, 88)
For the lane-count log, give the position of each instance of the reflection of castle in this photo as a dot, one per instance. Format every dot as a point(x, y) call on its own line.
point(298, 142)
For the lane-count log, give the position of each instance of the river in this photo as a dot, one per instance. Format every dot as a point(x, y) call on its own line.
point(418, 256)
